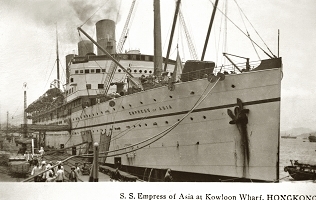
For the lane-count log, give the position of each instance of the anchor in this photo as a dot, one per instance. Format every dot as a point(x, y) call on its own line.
point(241, 120)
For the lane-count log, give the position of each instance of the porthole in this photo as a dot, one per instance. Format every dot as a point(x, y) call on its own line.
point(123, 107)
point(204, 117)
point(145, 71)
point(170, 97)
point(192, 92)
point(119, 70)
point(155, 100)
point(166, 122)
point(135, 70)
point(130, 105)
point(191, 118)
point(150, 71)
point(140, 71)
point(141, 102)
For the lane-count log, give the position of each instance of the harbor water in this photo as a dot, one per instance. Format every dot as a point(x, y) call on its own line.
point(295, 149)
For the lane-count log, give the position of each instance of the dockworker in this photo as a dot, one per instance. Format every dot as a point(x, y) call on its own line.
point(50, 165)
point(77, 168)
point(47, 173)
point(36, 170)
point(51, 178)
point(41, 152)
point(59, 163)
point(27, 156)
point(116, 174)
point(168, 177)
point(73, 176)
point(43, 168)
point(60, 176)
point(85, 169)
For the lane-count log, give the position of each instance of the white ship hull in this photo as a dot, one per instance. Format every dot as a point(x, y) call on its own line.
point(204, 142)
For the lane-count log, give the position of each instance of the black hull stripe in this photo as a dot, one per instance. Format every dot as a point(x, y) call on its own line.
point(184, 112)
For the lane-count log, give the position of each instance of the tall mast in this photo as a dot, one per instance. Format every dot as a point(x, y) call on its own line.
point(157, 39)
point(172, 32)
point(209, 30)
point(57, 60)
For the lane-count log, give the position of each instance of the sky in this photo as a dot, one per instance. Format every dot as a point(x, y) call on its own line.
point(28, 43)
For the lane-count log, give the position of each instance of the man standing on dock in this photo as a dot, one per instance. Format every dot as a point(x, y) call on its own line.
point(60, 177)
point(73, 176)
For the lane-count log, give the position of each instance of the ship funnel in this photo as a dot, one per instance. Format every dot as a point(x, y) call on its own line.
point(106, 36)
point(85, 47)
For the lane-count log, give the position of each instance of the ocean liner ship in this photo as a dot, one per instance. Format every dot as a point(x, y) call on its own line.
point(204, 125)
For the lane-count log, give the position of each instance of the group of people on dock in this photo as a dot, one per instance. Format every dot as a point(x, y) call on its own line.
point(45, 172)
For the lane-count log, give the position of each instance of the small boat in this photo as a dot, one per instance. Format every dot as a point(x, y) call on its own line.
point(288, 137)
point(312, 138)
point(301, 171)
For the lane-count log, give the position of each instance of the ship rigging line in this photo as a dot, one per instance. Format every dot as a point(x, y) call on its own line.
point(245, 33)
point(253, 28)
point(163, 133)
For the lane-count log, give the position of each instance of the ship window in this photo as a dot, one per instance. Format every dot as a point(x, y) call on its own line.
point(119, 70)
point(81, 71)
point(97, 71)
point(88, 86)
point(76, 71)
point(100, 86)
point(103, 70)
point(135, 70)
point(145, 71)
point(140, 71)
point(92, 70)
point(147, 58)
point(86, 71)
point(150, 71)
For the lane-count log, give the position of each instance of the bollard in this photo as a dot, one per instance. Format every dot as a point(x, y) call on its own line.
point(96, 162)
